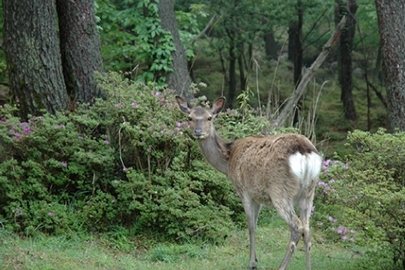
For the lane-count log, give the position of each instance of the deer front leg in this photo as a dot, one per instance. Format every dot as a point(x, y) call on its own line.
point(252, 210)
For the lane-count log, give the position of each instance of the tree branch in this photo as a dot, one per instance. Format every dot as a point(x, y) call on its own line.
point(313, 26)
point(378, 93)
point(201, 33)
point(309, 73)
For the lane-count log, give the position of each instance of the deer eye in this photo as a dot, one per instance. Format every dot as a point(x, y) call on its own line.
point(190, 119)
point(209, 118)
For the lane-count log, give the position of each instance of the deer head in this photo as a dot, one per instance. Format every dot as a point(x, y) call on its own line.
point(201, 119)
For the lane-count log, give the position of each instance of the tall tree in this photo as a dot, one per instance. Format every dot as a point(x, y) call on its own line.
point(179, 79)
point(347, 8)
point(80, 49)
point(295, 50)
point(391, 23)
point(32, 52)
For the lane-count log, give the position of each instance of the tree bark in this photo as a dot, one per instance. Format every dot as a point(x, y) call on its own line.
point(391, 23)
point(232, 74)
point(33, 57)
point(349, 9)
point(271, 46)
point(179, 79)
point(296, 51)
point(80, 49)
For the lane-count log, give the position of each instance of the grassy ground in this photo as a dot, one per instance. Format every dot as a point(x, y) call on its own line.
point(44, 252)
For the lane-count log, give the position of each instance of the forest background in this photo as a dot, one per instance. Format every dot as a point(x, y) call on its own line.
point(92, 141)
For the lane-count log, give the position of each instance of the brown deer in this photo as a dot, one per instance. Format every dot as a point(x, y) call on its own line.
point(279, 170)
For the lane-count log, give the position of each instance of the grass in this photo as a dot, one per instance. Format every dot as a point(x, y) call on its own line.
point(58, 252)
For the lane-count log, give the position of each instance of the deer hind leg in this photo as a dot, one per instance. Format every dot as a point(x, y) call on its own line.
point(286, 211)
point(252, 210)
point(305, 204)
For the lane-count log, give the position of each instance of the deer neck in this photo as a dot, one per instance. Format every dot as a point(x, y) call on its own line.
point(216, 151)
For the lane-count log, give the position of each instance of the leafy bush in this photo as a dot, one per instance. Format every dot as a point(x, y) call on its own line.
point(368, 193)
point(127, 161)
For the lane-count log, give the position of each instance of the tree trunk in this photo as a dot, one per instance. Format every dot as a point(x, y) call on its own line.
point(179, 79)
point(296, 52)
point(232, 74)
point(349, 9)
point(297, 36)
point(271, 46)
point(80, 49)
point(242, 66)
point(391, 22)
point(33, 57)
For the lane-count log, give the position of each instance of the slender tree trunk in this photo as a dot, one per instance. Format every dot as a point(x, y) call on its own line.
point(349, 9)
point(33, 57)
point(296, 51)
point(232, 74)
point(391, 23)
point(179, 79)
point(298, 44)
point(80, 48)
point(271, 46)
point(242, 66)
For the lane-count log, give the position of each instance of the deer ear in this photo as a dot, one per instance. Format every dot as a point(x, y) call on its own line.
point(218, 105)
point(184, 106)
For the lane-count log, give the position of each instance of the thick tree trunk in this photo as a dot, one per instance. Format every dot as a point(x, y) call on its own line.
point(81, 49)
point(33, 58)
point(179, 79)
point(349, 9)
point(391, 22)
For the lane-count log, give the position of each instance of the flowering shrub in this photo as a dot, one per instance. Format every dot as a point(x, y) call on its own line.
point(128, 160)
point(368, 193)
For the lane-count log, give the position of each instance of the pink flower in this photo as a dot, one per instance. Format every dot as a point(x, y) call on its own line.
point(64, 164)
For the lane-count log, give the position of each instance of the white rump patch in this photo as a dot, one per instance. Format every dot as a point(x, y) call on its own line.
point(306, 167)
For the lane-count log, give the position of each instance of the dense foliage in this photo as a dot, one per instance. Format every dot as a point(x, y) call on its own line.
point(125, 161)
point(365, 196)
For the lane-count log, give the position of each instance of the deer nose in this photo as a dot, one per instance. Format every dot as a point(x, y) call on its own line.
point(198, 132)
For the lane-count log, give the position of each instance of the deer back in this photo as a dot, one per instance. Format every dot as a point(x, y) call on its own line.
point(273, 165)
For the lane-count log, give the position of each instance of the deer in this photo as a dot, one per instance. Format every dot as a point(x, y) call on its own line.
point(274, 170)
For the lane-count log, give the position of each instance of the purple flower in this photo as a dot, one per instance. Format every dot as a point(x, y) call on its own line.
point(326, 162)
point(344, 238)
point(107, 142)
point(342, 230)
point(80, 138)
point(149, 149)
point(134, 104)
point(64, 164)
point(51, 214)
point(331, 219)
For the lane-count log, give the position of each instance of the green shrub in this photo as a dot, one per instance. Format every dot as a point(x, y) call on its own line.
point(125, 161)
point(368, 193)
